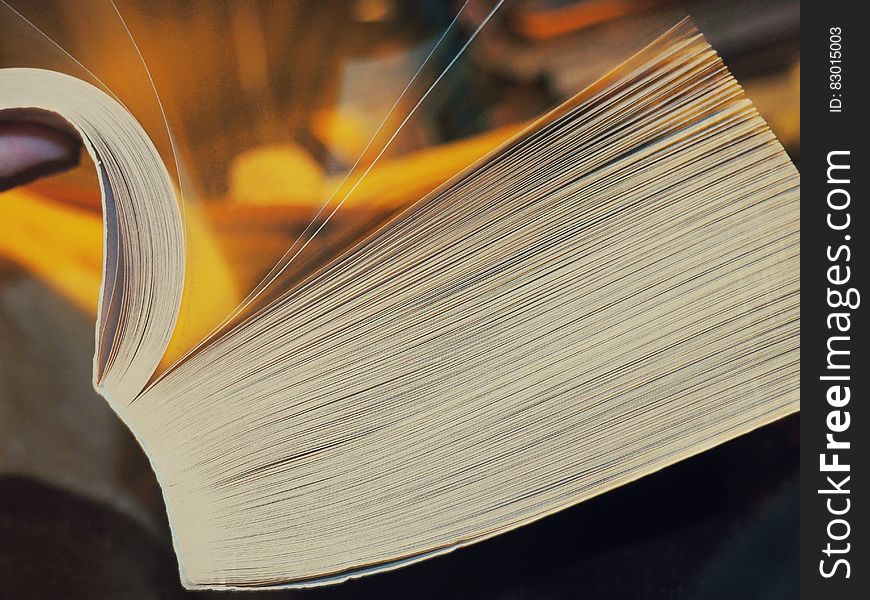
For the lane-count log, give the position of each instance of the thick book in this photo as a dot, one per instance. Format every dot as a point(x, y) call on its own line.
point(612, 290)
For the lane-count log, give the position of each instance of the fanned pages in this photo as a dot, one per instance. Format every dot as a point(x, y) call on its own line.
point(143, 245)
point(612, 291)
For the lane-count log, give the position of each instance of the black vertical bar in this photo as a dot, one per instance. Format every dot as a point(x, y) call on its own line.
point(835, 559)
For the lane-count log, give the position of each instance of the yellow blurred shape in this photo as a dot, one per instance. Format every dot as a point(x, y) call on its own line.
point(277, 174)
point(373, 11)
point(539, 23)
point(345, 131)
point(210, 292)
point(59, 244)
point(286, 175)
point(399, 181)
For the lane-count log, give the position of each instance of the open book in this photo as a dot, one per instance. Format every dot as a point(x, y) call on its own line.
point(614, 289)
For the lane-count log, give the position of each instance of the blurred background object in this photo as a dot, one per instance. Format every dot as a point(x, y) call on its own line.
point(270, 105)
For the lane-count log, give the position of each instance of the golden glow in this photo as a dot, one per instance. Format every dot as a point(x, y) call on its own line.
point(280, 174)
point(286, 175)
point(59, 244)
